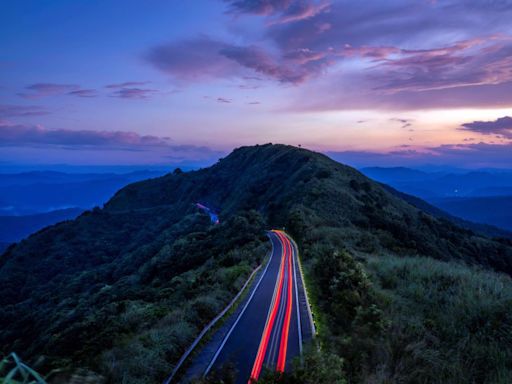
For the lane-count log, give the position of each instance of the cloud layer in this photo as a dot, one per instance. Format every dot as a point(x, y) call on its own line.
point(476, 155)
point(26, 135)
point(138, 148)
point(126, 90)
point(501, 127)
point(8, 110)
point(396, 54)
point(131, 90)
point(42, 90)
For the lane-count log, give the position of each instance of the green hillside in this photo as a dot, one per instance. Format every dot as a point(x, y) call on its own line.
point(122, 290)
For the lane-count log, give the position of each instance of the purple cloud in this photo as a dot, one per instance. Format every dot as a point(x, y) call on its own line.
point(193, 59)
point(501, 126)
point(262, 62)
point(301, 10)
point(405, 123)
point(384, 55)
point(83, 93)
point(471, 62)
point(477, 154)
point(395, 22)
point(357, 92)
point(134, 93)
point(223, 100)
point(24, 135)
point(130, 146)
point(379, 36)
point(203, 58)
point(128, 84)
point(467, 73)
point(21, 111)
point(131, 90)
point(40, 90)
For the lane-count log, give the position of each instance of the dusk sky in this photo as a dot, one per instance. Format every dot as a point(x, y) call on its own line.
point(167, 82)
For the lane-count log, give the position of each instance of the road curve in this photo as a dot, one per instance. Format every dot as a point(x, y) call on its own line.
point(269, 331)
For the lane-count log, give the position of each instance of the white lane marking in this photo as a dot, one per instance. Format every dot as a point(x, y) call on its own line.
point(299, 329)
point(310, 315)
point(240, 315)
point(208, 327)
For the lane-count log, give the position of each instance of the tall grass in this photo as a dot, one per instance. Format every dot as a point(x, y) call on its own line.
point(450, 323)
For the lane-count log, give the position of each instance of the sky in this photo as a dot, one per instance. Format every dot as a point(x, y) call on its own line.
point(388, 83)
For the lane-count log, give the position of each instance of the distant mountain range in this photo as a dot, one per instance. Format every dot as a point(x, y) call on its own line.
point(482, 197)
point(440, 184)
point(39, 192)
point(474, 225)
point(30, 201)
point(495, 210)
point(15, 228)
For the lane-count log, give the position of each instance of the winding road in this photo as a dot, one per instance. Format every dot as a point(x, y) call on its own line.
point(271, 328)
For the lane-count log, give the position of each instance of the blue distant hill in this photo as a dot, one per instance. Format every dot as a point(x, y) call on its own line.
point(15, 228)
point(480, 196)
point(43, 191)
point(30, 201)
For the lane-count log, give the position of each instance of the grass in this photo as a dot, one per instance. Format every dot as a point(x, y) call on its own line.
point(450, 323)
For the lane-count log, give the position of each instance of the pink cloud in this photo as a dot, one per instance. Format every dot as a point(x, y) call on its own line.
point(377, 53)
point(384, 55)
point(206, 58)
point(469, 73)
point(301, 10)
point(471, 62)
point(22, 135)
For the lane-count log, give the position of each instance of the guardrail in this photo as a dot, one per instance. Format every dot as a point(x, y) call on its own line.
point(208, 327)
point(310, 314)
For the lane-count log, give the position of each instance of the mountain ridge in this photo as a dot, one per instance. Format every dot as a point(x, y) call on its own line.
point(149, 266)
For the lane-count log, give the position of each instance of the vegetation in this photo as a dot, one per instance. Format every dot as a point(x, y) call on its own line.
point(449, 323)
point(130, 311)
point(124, 289)
point(393, 319)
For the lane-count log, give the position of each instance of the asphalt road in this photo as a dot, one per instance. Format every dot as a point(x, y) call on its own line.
point(268, 333)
